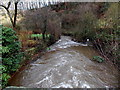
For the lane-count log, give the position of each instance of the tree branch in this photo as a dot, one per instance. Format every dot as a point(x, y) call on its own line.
point(8, 12)
point(9, 3)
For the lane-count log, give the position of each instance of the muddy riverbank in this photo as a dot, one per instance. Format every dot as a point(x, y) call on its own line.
point(67, 64)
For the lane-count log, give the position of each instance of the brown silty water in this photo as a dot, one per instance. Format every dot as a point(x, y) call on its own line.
point(67, 64)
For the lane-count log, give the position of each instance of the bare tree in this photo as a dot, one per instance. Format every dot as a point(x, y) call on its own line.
point(13, 20)
point(43, 20)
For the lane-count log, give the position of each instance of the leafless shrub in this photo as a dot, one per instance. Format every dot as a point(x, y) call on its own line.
point(43, 20)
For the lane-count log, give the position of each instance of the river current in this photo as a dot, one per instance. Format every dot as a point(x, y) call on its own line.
point(67, 64)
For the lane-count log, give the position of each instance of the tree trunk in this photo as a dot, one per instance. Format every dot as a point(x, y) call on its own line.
point(43, 36)
point(45, 29)
point(8, 12)
point(15, 15)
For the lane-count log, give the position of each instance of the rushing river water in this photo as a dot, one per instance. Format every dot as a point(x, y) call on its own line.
point(67, 64)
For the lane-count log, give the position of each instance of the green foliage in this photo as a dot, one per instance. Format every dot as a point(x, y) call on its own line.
point(98, 59)
point(108, 28)
point(108, 33)
point(48, 48)
point(86, 27)
point(5, 78)
point(104, 30)
point(11, 55)
point(104, 35)
point(39, 36)
point(3, 75)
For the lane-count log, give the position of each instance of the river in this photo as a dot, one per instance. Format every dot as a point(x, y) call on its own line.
point(67, 64)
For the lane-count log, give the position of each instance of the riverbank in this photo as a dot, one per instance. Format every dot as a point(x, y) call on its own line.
point(67, 64)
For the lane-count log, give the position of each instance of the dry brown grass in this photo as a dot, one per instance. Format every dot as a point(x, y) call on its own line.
point(24, 37)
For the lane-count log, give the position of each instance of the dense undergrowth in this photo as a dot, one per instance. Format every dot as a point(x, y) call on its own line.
point(17, 49)
point(11, 54)
point(101, 28)
point(21, 45)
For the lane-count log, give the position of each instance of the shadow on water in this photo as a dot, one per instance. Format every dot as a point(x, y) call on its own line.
point(67, 65)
